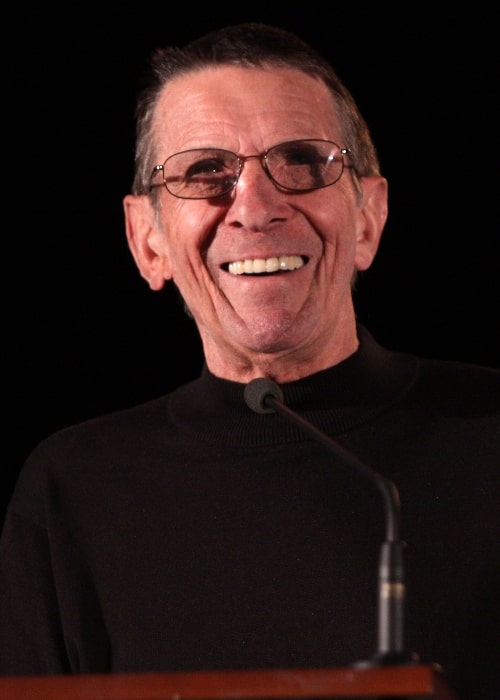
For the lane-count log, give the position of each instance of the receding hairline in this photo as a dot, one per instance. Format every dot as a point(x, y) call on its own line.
point(269, 67)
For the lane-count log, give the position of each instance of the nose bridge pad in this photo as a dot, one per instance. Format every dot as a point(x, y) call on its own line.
point(262, 160)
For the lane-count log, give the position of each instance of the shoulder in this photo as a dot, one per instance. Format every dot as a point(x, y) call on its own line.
point(468, 387)
point(434, 383)
point(101, 455)
point(127, 423)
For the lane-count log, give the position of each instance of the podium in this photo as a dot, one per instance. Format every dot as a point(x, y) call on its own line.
point(412, 682)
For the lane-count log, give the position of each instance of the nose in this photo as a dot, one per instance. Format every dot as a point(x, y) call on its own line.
point(260, 157)
point(256, 201)
point(261, 162)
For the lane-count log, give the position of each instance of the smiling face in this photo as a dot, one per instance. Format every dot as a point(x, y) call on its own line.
point(285, 323)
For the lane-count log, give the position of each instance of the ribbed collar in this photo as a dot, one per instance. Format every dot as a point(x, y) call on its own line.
point(336, 400)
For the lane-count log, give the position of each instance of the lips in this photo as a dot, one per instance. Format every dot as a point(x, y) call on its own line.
point(259, 266)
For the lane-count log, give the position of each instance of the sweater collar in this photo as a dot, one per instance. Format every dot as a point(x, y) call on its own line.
point(335, 400)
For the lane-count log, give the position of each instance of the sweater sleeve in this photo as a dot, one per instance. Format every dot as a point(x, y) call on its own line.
point(31, 637)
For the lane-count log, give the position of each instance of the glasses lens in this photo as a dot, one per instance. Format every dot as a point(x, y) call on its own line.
point(305, 165)
point(201, 173)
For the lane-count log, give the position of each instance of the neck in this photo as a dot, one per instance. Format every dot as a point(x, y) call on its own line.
point(243, 365)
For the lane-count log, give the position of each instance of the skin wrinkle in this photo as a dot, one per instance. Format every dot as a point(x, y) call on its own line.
point(249, 325)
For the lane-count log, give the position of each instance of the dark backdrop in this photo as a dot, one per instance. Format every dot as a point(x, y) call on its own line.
point(86, 336)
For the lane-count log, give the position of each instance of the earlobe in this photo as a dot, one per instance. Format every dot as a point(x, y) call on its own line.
point(372, 222)
point(145, 240)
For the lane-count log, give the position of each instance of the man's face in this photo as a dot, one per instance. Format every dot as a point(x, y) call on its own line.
point(242, 317)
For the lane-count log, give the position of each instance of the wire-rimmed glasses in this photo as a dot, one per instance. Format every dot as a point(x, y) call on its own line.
point(296, 166)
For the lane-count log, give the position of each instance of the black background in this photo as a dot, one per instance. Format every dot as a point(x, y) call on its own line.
point(85, 335)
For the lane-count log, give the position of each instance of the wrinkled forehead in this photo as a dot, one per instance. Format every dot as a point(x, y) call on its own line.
point(224, 105)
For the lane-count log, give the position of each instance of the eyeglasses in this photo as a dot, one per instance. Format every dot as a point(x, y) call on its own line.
point(298, 166)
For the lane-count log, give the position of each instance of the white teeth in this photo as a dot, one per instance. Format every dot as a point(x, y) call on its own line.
point(260, 265)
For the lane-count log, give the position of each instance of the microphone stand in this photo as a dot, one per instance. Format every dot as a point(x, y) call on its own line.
point(263, 395)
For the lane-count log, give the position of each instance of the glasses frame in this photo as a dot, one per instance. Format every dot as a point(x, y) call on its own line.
point(262, 157)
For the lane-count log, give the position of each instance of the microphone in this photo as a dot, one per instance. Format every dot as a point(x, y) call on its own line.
point(263, 395)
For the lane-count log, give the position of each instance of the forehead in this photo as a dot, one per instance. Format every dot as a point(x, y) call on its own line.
point(230, 106)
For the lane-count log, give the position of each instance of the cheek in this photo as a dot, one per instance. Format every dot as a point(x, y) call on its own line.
point(336, 221)
point(188, 226)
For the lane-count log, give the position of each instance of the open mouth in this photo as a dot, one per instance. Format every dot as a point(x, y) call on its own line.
point(265, 266)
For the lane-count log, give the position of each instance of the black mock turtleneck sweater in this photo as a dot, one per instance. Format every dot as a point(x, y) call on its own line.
point(192, 533)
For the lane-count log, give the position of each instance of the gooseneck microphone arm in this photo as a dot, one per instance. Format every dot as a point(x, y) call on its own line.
point(263, 395)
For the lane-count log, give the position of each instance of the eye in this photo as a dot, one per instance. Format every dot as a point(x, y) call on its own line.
point(206, 166)
point(301, 154)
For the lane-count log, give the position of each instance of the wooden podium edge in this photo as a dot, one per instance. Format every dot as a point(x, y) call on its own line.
point(413, 681)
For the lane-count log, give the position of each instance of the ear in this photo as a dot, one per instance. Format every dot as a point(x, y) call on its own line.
point(146, 241)
point(374, 212)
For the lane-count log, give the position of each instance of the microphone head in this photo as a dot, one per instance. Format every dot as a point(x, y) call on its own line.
point(258, 391)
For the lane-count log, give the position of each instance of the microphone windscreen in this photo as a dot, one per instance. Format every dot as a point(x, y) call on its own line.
point(258, 390)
